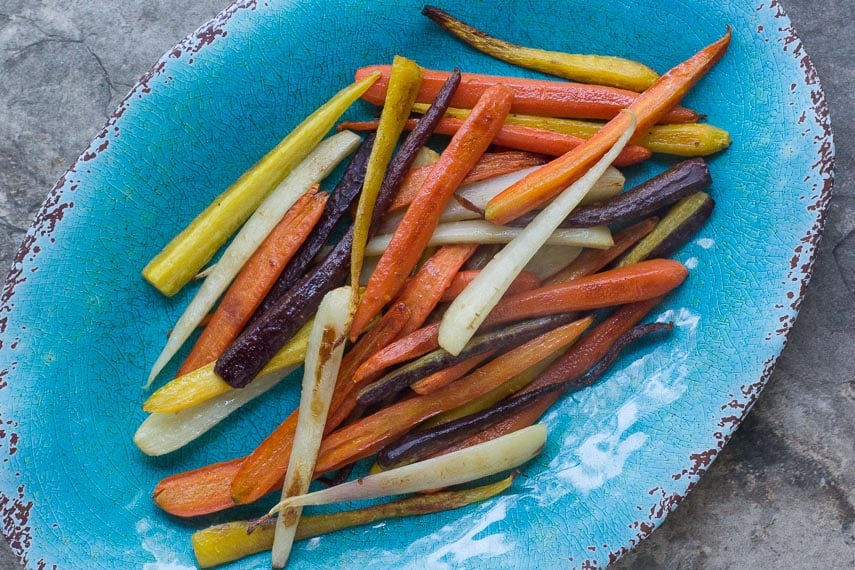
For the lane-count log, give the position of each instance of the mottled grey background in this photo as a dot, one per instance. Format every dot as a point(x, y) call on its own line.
point(781, 495)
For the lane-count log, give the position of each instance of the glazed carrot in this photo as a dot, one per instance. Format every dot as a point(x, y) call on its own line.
point(592, 260)
point(370, 434)
point(418, 343)
point(422, 216)
point(424, 290)
point(531, 96)
point(638, 282)
point(197, 492)
point(525, 281)
point(522, 138)
point(432, 383)
point(575, 362)
point(256, 278)
point(262, 469)
point(490, 164)
point(542, 185)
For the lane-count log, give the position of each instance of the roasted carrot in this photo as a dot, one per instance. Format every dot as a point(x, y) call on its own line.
point(256, 278)
point(198, 492)
point(432, 383)
point(531, 96)
point(592, 260)
point(418, 343)
point(423, 291)
point(522, 138)
point(525, 281)
point(649, 279)
point(370, 434)
point(575, 362)
point(490, 164)
point(422, 216)
point(542, 185)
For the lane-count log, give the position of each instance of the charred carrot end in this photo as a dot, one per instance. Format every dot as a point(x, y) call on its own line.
point(263, 469)
point(650, 279)
point(414, 232)
point(198, 492)
point(544, 184)
point(592, 260)
point(255, 279)
point(525, 281)
point(531, 96)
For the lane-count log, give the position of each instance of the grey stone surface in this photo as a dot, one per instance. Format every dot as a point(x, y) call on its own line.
point(782, 494)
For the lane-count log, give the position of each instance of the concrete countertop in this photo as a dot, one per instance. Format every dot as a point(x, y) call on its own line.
point(782, 494)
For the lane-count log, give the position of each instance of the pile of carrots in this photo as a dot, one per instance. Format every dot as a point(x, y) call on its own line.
point(546, 335)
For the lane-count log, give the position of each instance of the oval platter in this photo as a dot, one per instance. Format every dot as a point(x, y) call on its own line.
point(80, 328)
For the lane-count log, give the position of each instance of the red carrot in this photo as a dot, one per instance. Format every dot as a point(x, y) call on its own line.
point(548, 181)
point(531, 96)
point(522, 138)
point(256, 278)
point(648, 279)
point(422, 216)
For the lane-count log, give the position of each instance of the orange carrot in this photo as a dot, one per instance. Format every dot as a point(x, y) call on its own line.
point(525, 281)
point(423, 291)
point(652, 278)
point(261, 470)
point(256, 278)
point(198, 492)
point(578, 360)
point(417, 343)
point(422, 216)
point(370, 434)
point(432, 383)
point(490, 164)
point(592, 260)
point(531, 96)
point(519, 137)
point(548, 181)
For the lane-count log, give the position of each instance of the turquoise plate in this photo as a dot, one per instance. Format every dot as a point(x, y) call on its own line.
point(80, 328)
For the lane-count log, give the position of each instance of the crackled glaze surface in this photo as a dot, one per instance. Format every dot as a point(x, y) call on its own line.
point(621, 455)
